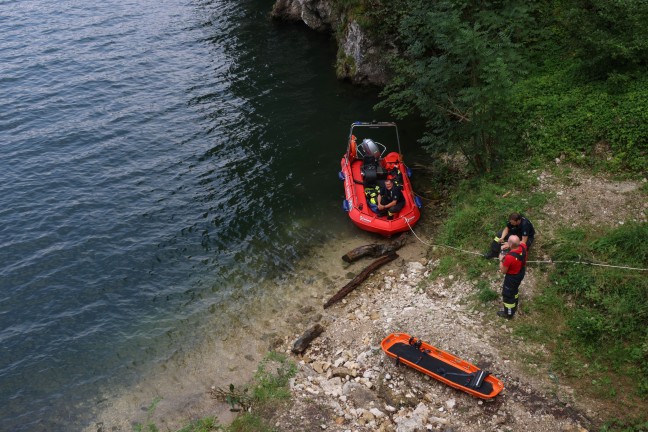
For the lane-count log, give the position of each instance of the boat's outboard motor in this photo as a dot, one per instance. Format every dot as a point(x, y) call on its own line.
point(370, 156)
point(370, 148)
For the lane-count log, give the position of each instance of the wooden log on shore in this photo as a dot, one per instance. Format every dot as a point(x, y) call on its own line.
point(375, 249)
point(304, 341)
point(364, 274)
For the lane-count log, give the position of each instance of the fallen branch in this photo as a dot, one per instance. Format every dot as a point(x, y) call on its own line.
point(304, 341)
point(375, 250)
point(360, 278)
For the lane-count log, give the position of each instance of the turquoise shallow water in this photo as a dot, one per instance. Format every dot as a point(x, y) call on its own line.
point(159, 160)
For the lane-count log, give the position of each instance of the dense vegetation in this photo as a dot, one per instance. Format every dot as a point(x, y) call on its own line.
point(500, 79)
point(605, 309)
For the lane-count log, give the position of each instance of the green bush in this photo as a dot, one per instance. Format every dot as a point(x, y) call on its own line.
point(609, 319)
point(557, 115)
point(587, 326)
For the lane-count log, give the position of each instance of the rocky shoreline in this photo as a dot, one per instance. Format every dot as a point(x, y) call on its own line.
point(344, 380)
point(346, 383)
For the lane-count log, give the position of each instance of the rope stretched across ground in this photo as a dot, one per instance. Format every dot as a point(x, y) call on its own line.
point(530, 261)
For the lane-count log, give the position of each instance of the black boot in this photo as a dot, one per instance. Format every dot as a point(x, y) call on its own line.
point(494, 251)
point(503, 314)
point(490, 254)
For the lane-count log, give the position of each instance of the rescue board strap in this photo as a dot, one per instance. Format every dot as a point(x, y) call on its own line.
point(475, 379)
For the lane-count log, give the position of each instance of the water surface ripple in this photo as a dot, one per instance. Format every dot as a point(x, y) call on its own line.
point(158, 160)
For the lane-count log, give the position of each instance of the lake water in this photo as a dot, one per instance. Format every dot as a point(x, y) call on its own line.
point(166, 166)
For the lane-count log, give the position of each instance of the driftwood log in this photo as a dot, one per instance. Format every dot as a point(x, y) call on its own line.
point(364, 274)
point(375, 249)
point(304, 341)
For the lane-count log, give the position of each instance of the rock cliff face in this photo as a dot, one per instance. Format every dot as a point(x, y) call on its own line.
point(367, 59)
point(360, 59)
point(316, 14)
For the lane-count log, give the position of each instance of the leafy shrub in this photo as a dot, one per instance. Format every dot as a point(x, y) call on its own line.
point(611, 305)
point(557, 116)
point(587, 326)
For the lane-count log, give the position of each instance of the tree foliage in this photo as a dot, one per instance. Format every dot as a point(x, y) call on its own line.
point(493, 79)
point(608, 37)
point(460, 62)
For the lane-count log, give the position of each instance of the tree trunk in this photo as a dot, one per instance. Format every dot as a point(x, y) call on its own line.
point(375, 249)
point(360, 278)
point(304, 341)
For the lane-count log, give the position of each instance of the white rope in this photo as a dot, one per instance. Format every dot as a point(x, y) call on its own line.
point(534, 262)
point(589, 263)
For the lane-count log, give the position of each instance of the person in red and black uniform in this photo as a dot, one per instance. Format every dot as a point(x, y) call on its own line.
point(513, 265)
point(390, 199)
point(517, 225)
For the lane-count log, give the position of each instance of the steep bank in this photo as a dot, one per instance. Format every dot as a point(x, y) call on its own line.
point(360, 58)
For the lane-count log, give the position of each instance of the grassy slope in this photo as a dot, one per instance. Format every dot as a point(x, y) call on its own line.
point(591, 319)
point(589, 123)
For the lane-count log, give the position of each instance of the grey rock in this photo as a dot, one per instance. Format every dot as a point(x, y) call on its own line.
point(343, 372)
point(359, 394)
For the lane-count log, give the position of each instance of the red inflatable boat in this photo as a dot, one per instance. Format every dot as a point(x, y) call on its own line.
point(366, 165)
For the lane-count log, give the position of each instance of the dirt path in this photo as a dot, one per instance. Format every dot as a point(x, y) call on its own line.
point(346, 383)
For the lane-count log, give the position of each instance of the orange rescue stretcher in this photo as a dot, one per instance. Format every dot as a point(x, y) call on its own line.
point(441, 365)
